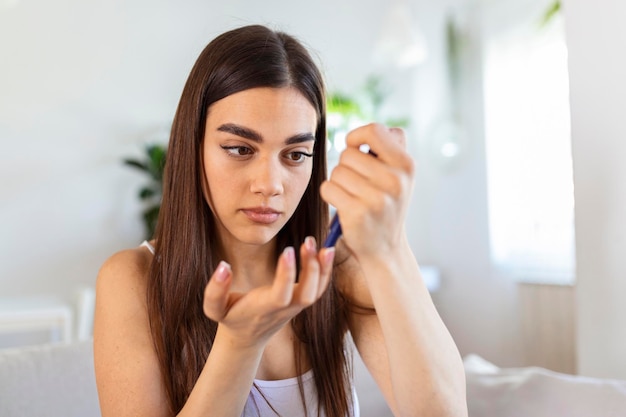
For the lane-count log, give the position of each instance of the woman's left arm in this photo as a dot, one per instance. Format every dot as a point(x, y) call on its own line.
point(405, 344)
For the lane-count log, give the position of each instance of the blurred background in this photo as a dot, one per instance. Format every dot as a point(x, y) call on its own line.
point(512, 108)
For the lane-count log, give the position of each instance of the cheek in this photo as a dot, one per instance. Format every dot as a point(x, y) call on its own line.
point(298, 185)
point(217, 183)
point(221, 184)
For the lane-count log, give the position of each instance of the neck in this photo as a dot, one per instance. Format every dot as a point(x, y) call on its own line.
point(253, 265)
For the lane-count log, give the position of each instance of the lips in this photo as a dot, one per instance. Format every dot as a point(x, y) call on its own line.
point(262, 215)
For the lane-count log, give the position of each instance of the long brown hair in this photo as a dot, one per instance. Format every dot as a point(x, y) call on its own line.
point(186, 236)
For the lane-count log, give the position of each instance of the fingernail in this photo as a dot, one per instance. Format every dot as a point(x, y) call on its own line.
point(329, 256)
point(290, 255)
point(221, 274)
point(310, 243)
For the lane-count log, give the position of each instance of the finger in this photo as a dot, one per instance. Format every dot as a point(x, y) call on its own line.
point(350, 180)
point(305, 292)
point(337, 196)
point(358, 177)
point(366, 164)
point(282, 288)
point(215, 303)
point(380, 134)
point(399, 134)
point(349, 190)
point(326, 258)
point(391, 179)
point(387, 143)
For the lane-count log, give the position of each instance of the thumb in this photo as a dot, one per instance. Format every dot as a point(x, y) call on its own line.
point(216, 292)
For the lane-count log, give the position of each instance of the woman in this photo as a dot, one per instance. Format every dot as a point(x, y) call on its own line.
point(219, 315)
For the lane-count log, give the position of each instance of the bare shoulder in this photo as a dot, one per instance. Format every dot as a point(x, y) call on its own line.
point(122, 282)
point(127, 267)
point(121, 306)
point(121, 295)
point(127, 368)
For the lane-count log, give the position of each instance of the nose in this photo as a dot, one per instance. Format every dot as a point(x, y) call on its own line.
point(267, 178)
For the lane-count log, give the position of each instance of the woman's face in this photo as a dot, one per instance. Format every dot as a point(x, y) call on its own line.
point(258, 148)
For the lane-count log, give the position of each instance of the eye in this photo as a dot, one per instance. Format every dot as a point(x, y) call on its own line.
point(298, 156)
point(238, 151)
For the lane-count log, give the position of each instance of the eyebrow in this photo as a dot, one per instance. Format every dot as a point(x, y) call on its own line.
point(250, 134)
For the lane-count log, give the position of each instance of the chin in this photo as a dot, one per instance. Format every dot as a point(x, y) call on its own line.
point(258, 238)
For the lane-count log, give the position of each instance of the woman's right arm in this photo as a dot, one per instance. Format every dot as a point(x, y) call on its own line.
point(128, 375)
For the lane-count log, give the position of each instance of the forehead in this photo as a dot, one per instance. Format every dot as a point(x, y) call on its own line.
point(265, 109)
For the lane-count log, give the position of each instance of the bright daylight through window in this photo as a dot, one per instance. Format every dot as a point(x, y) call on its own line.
point(529, 166)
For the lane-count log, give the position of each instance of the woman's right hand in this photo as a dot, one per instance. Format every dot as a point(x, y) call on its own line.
point(251, 318)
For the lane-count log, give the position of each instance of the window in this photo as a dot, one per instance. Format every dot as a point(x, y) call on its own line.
point(527, 128)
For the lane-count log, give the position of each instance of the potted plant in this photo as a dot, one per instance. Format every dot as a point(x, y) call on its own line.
point(150, 194)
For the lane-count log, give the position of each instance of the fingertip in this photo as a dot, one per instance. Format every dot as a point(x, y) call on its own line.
point(328, 256)
point(216, 292)
point(222, 272)
point(282, 288)
point(287, 265)
point(310, 244)
point(289, 256)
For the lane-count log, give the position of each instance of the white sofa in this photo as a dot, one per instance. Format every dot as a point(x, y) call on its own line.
point(55, 380)
point(538, 392)
point(58, 381)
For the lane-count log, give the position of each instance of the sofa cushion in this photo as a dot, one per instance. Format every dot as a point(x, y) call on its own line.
point(54, 380)
point(538, 392)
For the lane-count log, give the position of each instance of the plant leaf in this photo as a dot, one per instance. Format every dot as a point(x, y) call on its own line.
point(136, 164)
point(342, 104)
point(150, 217)
point(156, 160)
point(146, 192)
point(552, 11)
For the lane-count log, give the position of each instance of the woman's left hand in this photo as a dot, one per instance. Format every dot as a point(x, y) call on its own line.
point(372, 194)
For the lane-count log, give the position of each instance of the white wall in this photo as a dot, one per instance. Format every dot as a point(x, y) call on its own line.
point(478, 303)
point(597, 63)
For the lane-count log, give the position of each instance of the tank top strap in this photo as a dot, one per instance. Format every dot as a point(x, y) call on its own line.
point(148, 245)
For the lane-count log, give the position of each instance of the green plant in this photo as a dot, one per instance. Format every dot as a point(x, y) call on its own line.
point(344, 110)
point(341, 109)
point(150, 194)
point(551, 12)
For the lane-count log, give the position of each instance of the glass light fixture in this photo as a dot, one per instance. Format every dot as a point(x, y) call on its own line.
point(400, 42)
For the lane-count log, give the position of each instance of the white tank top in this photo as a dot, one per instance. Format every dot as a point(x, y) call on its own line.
point(283, 394)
